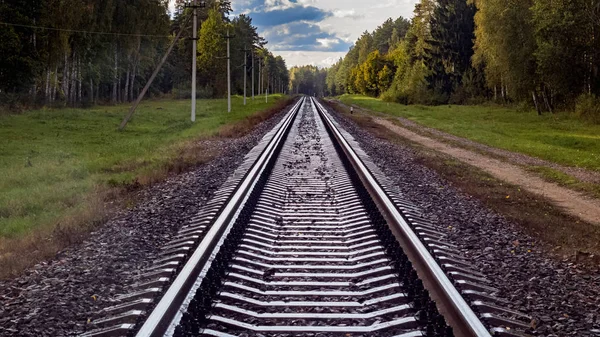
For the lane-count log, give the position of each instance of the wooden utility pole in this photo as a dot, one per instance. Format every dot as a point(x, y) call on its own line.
point(245, 72)
point(253, 74)
point(194, 60)
point(145, 90)
point(228, 37)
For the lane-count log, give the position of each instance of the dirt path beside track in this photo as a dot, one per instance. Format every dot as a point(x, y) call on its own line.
point(572, 202)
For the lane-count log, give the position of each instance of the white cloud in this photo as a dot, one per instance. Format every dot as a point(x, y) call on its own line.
point(321, 59)
point(348, 13)
point(352, 17)
point(326, 43)
point(349, 20)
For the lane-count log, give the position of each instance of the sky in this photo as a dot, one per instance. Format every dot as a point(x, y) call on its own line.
point(318, 32)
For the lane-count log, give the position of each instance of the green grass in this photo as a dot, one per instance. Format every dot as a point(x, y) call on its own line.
point(51, 160)
point(560, 138)
point(566, 180)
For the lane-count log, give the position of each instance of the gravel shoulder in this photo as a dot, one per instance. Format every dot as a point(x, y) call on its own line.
point(58, 297)
point(562, 297)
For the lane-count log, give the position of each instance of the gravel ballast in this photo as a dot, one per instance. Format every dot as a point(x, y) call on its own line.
point(58, 297)
point(562, 297)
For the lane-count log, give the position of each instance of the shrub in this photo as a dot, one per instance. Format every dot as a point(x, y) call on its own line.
point(588, 107)
point(185, 92)
point(525, 106)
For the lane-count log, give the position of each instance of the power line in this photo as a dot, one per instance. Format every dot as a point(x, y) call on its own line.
point(82, 31)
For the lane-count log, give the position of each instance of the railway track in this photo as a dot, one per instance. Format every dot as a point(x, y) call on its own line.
point(308, 238)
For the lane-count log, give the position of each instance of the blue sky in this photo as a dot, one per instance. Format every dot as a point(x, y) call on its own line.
point(318, 31)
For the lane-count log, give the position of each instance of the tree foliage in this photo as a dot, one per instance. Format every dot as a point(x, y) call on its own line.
point(91, 51)
point(545, 52)
point(308, 80)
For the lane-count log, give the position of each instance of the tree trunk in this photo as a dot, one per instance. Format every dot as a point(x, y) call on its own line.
point(547, 101)
point(133, 76)
point(65, 79)
point(54, 85)
point(97, 98)
point(73, 91)
point(79, 80)
point(47, 91)
point(91, 93)
point(127, 78)
point(34, 92)
point(535, 102)
point(115, 77)
point(136, 63)
point(34, 35)
point(119, 93)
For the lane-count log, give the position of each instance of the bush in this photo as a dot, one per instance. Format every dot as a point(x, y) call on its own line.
point(588, 108)
point(14, 103)
point(392, 95)
point(525, 106)
point(185, 92)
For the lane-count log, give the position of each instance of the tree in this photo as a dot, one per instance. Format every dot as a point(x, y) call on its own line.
point(367, 78)
point(401, 27)
point(308, 80)
point(451, 45)
point(72, 64)
point(500, 25)
point(246, 36)
point(211, 51)
point(383, 35)
point(364, 47)
point(19, 58)
point(385, 78)
point(567, 35)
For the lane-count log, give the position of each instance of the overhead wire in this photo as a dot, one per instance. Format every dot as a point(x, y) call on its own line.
point(83, 31)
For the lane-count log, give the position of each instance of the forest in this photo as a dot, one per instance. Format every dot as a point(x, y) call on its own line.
point(87, 52)
point(541, 54)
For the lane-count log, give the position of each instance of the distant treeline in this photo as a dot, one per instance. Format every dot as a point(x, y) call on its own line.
point(544, 53)
point(84, 52)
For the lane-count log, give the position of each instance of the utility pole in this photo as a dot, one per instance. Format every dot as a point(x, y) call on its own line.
point(245, 72)
point(259, 76)
point(195, 7)
point(228, 37)
point(194, 60)
point(253, 74)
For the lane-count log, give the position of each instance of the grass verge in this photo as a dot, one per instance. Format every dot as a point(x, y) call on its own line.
point(561, 138)
point(565, 180)
point(63, 169)
point(561, 234)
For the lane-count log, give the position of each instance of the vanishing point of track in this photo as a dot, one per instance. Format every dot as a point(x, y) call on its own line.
point(308, 238)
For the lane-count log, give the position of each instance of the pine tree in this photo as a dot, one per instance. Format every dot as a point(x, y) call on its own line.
point(451, 45)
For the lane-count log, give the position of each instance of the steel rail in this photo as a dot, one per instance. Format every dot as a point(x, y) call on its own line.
point(165, 311)
point(450, 302)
